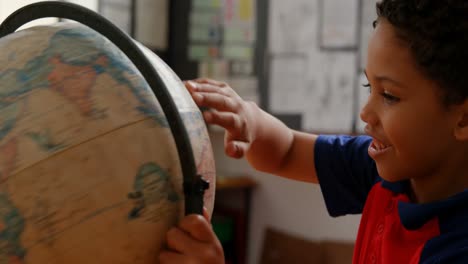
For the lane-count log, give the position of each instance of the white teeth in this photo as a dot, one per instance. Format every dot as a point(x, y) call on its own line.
point(379, 145)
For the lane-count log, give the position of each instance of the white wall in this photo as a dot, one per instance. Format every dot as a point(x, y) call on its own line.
point(91, 4)
point(7, 7)
point(294, 207)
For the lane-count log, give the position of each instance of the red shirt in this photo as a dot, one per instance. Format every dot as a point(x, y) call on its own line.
point(392, 229)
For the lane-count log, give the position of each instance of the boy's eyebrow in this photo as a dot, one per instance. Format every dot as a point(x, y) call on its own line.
point(387, 79)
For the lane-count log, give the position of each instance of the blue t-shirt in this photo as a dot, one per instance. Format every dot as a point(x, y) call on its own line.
point(392, 229)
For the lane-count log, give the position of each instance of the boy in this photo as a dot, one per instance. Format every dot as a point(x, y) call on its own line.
point(409, 177)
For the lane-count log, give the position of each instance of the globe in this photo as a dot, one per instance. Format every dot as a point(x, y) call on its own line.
point(89, 170)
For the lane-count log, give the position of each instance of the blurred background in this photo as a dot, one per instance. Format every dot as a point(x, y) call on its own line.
point(301, 60)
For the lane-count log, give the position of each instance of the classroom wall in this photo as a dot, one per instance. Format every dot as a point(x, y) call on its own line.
point(7, 7)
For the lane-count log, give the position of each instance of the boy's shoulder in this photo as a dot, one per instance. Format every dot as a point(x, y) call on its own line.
point(446, 248)
point(423, 233)
point(451, 246)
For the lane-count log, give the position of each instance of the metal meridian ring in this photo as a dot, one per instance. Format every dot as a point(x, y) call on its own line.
point(194, 185)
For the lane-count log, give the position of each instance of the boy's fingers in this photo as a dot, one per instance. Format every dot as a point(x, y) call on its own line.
point(191, 86)
point(194, 87)
point(217, 101)
point(211, 81)
point(198, 227)
point(206, 85)
point(180, 241)
point(236, 144)
point(236, 149)
point(227, 120)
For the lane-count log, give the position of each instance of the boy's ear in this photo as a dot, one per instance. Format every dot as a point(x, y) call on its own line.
point(461, 131)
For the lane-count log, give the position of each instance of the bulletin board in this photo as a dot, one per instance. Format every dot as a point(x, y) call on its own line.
point(222, 38)
point(307, 40)
point(315, 59)
point(307, 78)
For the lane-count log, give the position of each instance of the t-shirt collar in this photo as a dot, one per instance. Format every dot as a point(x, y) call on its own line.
point(413, 216)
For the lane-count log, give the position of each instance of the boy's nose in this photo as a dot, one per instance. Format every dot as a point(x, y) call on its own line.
point(368, 115)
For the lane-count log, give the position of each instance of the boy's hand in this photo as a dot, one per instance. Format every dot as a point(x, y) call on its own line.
point(228, 110)
point(192, 242)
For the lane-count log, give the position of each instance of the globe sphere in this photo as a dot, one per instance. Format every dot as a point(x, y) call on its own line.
point(89, 170)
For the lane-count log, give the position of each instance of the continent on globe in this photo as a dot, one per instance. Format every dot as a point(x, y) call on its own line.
point(151, 190)
point(11, 227)
point(75, 81)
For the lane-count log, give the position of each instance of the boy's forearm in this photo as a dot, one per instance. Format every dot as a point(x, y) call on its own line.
point(282, 151)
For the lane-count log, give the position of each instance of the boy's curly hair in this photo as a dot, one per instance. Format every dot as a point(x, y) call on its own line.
point(437, 34)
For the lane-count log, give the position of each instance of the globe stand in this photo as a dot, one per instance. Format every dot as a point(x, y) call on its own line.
point(194, 184)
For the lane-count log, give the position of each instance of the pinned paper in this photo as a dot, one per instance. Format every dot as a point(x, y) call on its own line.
point(245, 10)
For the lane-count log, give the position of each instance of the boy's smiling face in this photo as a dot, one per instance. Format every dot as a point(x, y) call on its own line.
point(413, 131)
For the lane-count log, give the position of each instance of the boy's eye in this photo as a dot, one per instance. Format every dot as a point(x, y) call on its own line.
point(367, 86)
point(390, 98)
point(387, 96)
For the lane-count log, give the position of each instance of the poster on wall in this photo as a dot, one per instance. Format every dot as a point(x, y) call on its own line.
point(330, 93)
point(292, 26)
point(338, 24)
point(288, 82)
point(205, 30)
point(222, 37)
point(319, 86)
point(306, 79)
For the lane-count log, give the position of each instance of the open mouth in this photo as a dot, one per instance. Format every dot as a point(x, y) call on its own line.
point(377, 148)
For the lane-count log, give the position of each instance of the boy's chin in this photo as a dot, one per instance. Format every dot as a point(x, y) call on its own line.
point(390, 175)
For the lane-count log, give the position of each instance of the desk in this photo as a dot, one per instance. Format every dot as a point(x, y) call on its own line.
point(235, 183)
point(242, 185)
